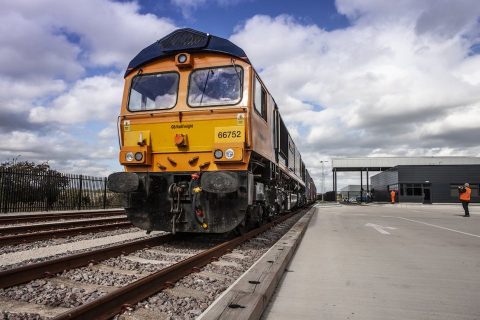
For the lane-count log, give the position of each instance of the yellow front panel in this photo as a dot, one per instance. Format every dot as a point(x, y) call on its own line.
point(137, 137)
point(201, 134)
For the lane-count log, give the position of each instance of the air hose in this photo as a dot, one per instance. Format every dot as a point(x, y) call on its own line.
point(195, 191)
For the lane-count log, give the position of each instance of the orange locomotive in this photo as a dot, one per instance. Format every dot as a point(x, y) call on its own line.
point(202, 141)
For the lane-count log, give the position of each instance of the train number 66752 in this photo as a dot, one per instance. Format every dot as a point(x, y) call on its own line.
point(229, 134)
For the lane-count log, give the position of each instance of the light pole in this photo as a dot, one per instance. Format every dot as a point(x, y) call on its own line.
point(323, 177)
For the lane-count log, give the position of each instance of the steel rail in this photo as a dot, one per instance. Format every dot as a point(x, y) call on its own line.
point(55, 216)
point(48, 268)
point(42, 235)
point(114, 302)
point(49, 226)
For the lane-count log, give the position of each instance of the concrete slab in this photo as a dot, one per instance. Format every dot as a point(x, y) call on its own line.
point(427, 266)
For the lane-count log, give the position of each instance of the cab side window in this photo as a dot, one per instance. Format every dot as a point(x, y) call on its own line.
point(260, 99)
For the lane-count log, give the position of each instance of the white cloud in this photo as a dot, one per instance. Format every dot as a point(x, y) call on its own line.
point(17, 95)
point(108, 133)
point(55, 37)
point(381, 86)
point(91, 99)
point(49, 109)
point(62, 150)
point(188, 6)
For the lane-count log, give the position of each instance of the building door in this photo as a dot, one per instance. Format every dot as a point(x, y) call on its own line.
point(426, 194)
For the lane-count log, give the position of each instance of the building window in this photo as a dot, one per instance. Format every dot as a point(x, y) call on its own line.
point(409, 190)
point(417, 189)
point(412, 189)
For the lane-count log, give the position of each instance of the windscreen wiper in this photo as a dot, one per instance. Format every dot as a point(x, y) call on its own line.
point(205, 85)
point(238, 74)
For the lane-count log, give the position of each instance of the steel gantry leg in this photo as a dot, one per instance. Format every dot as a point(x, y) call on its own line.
point(368, 188)
point(361, 185)
point(335, 184)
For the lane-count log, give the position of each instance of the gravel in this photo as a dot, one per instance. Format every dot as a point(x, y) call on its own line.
point(186, 300)
point(50, 294)
point(56, 241)
point(98, 277)
point(213, 279)
point(19, 316)
point(38, 254)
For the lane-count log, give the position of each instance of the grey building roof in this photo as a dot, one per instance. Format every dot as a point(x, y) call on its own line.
point(383, 163)
point(351, 187)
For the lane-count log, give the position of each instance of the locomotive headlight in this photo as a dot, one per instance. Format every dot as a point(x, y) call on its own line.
point(218, 154)
point(129, 156)
point(138, 156)
point(182, 58)
point(229, 153)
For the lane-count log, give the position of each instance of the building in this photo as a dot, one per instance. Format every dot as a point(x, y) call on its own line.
point(352, 191)
point(426, 183)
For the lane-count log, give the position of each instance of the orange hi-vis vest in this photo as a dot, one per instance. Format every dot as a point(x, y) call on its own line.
point(465, 196)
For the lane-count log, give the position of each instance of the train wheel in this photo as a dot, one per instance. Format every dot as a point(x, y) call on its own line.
point(241, 229)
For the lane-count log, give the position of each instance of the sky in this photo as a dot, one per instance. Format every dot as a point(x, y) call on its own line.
point(350, 77)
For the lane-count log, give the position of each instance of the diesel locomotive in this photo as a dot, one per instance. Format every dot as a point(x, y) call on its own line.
point(202, 141)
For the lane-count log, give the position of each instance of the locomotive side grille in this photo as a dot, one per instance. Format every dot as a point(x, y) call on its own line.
point(184, 39)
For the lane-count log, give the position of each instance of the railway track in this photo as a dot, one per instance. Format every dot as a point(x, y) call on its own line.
point(118, 299)
point(43, 235)
point(29, 218)
point(94, 222)
point(47, 268)
point(60, 225)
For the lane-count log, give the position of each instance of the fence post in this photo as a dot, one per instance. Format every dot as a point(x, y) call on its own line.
point(3, 207)
point(46, 191)
point(105, 193)
point(80, 194)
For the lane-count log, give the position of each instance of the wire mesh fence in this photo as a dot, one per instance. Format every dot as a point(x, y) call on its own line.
point(31, 190)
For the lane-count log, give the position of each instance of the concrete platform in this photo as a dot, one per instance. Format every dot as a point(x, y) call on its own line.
point(384, 262)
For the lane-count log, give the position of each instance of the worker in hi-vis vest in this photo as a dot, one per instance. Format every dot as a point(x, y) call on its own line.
point(392, 196)
point(464, 194)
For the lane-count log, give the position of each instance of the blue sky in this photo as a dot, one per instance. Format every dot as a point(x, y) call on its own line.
point(351, 77)
point(222, 17)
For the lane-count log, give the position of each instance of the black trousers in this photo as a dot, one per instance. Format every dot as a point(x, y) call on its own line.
point(465, 207)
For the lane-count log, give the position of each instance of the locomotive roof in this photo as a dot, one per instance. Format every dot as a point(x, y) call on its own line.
point(182, 40)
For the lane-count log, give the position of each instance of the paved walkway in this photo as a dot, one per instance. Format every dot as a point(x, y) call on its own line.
point(380, 262)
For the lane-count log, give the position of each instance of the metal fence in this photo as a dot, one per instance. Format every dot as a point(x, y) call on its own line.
point(34, 190)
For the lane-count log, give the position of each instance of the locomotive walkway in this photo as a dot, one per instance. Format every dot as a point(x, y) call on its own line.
point(384, 262)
